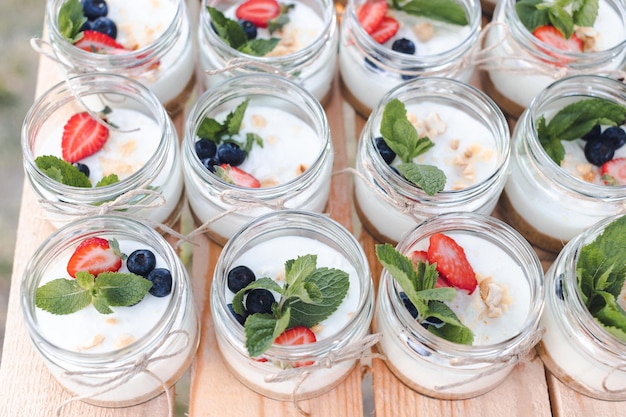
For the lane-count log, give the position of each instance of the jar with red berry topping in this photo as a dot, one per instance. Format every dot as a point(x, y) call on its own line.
point(286, 254)
point(253, 144)
point(567, 171)
point(102, 143)
point(485, 284)
point(147, 40)
point(297, 40)
point(122, 336)
point(381, 47)
point(524, 55)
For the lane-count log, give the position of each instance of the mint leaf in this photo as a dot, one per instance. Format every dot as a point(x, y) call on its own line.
point(210, 129)
point(231, 32)
point(234, 119)
point(585, 15)
point(121, 289)
point(62, 296)
point(563, 14)
point(259, 329)
point(108, 180)
point(428, 177)
point(62, 171)
point(101, 304)
point(531, 15)
point(298, 269)
point(452, 329)
point(259, 47)
point(562, 20)
point(443, 10)
point(85, 280)
point(71, 18)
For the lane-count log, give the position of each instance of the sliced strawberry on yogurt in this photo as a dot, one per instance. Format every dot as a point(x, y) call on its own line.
point(93, 41)
point(553, 37)
point(371, 14)
point(94, 255)
point(299, 335)
point(82, 136)
point(259, 12)
point(241, 177)
point(452, 263)
point(614, 172)
point(386, 30)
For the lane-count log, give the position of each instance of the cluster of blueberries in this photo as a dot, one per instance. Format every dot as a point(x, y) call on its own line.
point(210, 154)
point(258, 300)
point(143, 262)
point(402, 45)
point(96, 13)
point(601, 146)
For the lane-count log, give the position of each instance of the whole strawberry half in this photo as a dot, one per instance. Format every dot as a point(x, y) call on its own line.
point(241, 177)
point(259, 12)
point(452, 264)
point(386, 30)
point(93, 41)
point(82, 136)
point(553, 37)
point(94, 255)
point(298, 335)
point(371, 14)
point(614, 172)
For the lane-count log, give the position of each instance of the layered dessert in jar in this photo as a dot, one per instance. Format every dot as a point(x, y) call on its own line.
point(584, 343)
point(250, 149)
point(297, 40)
point(459, 303)
point(292, 295)
point(383, 44)
point(432, 146)
point(108, 306)
point(530, 45)
point(568, 159)
point(148, 40)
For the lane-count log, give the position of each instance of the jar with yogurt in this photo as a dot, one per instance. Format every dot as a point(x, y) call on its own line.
point(370, 69)
point(264, 246)
point(550, 203)
point(306, 52)
point(471, 146)
point(518, 65)
point(129, 355)
point(140, 148)
point(577, 348)
point(153, 45)
point(502, 311)
point(288, 167)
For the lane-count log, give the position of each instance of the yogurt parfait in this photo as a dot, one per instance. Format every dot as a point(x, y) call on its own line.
point(459, 303)
point(568, 159)
point(253, 144)
point(386, 43)
point(529, 46)
point(100, 143)
point(295, 39)
point(431, 146)
point(149, 40)
point(292, 300)
point(108, 306)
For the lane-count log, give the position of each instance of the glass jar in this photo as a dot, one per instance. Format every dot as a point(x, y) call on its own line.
point(311, 66)
point(388, 204)
point(222, 207)
point(519, 66)
point(548, 204)
point(369, 69)
point(151, 181)
point(576, 348)
point(264, 245)
point(160, 48)
point(443, 369)
point(154, 340)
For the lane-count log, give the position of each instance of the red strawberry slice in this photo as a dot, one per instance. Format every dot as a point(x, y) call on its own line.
point(371, 14)
point(93, 41)
point(614, 172)
point(553, 37)
point(298, 335)
point(452, 264)
point(421, 255)
point(385, 31)
point(259, 12)
point(241, 177)
point(94, 255)
point(82, 136)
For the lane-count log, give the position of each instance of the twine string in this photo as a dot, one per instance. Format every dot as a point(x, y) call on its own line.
point(605, 385)
point(238, 63)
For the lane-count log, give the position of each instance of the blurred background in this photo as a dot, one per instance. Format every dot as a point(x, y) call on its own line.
point(20, 20)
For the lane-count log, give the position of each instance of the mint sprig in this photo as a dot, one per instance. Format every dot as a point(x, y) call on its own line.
point(66, 173)
point(401, 136)
point(277, 24)
point(71, 19)
point(600, 273)
point(309, 296)
point(66, 296)
point(574, 121)
point(562, 14)
point(448, 11)
point(418, 283)
point(231, 32)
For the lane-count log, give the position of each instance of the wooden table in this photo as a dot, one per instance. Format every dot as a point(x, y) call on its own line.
point(28, 389)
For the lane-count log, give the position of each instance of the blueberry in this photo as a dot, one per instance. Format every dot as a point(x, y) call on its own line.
point(105, 25)
point(239, 278)
point(384, 150)
point(205, 148)
point(594, 133)
point(404, 46)
point(241, 319)
point(230, 153)
point(409, 305)
point(259, 300)
point(161, 282)
point(82, 168)
point(249, 28)
point(598, 152)
point(615, 136)
point(86, 26)
point(209, 163)
point(141, 262)
point(93, 9)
